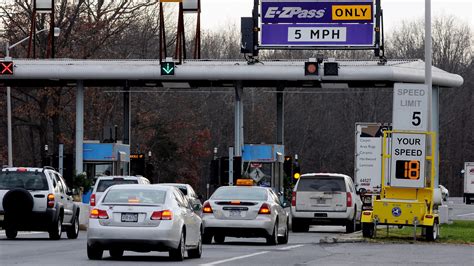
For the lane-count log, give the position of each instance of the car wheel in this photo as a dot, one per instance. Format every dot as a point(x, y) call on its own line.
point(432, 232)
point(178, 253)
point(196, 253)
point(56, 229)
point(206, 238)
point(368, 230)
point(116, 253)
point(73, 230)
point(11, 233)
point(284, 239)
point(351, 225)
point(94, 253)
point(273, 238)
point(219, 238)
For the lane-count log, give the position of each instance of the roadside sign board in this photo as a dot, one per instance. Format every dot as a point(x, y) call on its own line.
point(408, 159)
point(6, 68)
point(410, 107)
point(167, 68)
point(317, 23)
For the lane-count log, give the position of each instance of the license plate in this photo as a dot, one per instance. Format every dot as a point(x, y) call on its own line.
point(130, 217)
point(321, 201)
point(2, 217)
point(234, 213)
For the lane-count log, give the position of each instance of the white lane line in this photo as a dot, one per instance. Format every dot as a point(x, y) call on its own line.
point(234, 258)
point(290, 247)
point(467, 214)
point(2, 233)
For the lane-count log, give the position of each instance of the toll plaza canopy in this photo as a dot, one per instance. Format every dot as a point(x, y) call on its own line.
point(219, 73)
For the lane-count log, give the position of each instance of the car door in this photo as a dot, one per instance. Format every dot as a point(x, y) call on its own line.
point(187, 214)
point(68, 202)
point(280, 211)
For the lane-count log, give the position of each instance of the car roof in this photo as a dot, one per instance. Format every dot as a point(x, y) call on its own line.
point(325, 174)
point(29, 169)
point(137, 186)
point(108, 177)
point(178, 185)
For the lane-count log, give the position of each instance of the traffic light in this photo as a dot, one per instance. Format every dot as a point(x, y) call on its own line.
point(214, 172)
point(311, 69)
point(6, 68)
point(167, 68)
point(296, 168)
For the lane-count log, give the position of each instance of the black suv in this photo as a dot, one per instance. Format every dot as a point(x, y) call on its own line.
point(36, 199)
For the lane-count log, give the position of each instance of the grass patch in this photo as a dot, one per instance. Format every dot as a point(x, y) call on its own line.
point(459, 232)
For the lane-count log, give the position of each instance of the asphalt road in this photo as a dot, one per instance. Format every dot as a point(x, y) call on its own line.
point(33, 248)
point(460, 210)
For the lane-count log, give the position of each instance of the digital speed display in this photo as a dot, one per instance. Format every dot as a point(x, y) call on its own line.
point(407, 169)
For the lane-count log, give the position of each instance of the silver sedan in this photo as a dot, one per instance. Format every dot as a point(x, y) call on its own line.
point(245, 212)
point(144, 218)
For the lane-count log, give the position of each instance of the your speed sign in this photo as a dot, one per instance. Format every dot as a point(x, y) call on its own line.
point(410, 107)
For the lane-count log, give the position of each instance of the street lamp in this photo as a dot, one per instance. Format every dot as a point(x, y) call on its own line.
point(9, 99)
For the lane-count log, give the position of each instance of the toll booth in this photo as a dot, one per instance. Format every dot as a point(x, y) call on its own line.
point(264, 164)
point(106, 158)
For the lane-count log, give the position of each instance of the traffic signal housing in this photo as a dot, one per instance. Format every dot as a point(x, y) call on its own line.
point(311, 68)
point(296, 170)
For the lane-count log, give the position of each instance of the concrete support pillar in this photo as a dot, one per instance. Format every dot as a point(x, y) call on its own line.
point(79, 126)
point(238, 120)
point(280, 115)
point(126, 115)
point(435, 128)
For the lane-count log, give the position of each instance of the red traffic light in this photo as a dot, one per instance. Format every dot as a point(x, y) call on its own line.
point(311, 69)
point(6, 68)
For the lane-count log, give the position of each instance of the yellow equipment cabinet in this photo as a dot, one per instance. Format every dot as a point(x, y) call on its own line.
point(406, 197)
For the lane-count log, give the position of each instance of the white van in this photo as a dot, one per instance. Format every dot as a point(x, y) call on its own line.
point(469, 182)
point(104, 182)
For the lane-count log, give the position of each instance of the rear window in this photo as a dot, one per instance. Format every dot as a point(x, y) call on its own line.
point(135, 196)
point(328, 183)
point(105, 184)
point(239, 193)
point(26, 180)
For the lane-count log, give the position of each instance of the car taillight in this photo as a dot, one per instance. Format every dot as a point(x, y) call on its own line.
point(50, 200)
point(265, 209)
point(349, 199)
point(206, 208)
point(293, 199)
point(162, 215)
point(92, 201)
point(98, 214)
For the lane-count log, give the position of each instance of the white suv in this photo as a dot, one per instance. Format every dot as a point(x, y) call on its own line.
point(36, 199)
point(325, 199)
point(104, 182)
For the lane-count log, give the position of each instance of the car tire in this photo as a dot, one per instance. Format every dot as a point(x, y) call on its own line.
point(432, 232)
point(368, 230)
point(94, 253)
point(179, 253)
point(206, 238)
point(352, 224)
point(116, 253)
point(56, 229)
point(273, 238)
point(219, 238)
point(197, 252)
point(284, 239)
point(11, 233)
point(73, 230)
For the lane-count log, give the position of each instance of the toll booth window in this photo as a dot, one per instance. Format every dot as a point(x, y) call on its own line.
point(332, 184)
point(105, 184)
point(407, 169)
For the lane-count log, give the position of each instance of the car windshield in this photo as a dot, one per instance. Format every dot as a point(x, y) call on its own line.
point(326, 183)
point(240, 193)
point(27, 180)
point(135, 196)
point(105, 184)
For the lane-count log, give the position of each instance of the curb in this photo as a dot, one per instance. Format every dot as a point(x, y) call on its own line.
point(346, 238)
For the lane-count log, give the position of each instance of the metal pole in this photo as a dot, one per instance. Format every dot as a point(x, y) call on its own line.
point(429, 82)
point(79, 126)
point(238, 123)
point(231, 166)
point(126, 115)
point(9, 122)
point(280, 115)
point(61, 158)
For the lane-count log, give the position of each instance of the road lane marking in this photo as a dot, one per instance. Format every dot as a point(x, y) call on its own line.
point(234, 258)
point(466, 214)
point(290, 247)
point(2, 233)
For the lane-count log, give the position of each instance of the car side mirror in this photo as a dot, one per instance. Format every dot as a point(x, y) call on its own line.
point(196, 207)
point(285, 204)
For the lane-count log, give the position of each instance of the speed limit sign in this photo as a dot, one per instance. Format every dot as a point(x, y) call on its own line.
point(410, 107)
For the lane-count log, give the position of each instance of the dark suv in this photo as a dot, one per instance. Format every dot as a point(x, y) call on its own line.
point(36, 199)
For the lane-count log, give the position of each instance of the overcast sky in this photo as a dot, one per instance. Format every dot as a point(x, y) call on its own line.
point(217, 13)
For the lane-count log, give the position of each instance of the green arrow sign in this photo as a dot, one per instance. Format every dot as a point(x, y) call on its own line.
point(167, 69)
